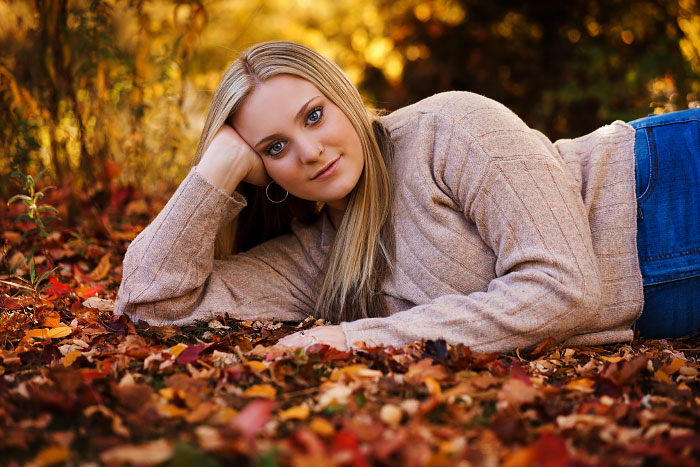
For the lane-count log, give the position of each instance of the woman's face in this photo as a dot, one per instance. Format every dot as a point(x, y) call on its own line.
point(307, 144)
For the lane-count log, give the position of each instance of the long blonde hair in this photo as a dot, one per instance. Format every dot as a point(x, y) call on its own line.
point(362, 251)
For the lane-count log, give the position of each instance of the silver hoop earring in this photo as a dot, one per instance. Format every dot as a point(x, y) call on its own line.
point(268, 194)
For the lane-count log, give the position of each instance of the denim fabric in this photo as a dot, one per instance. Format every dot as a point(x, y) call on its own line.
point(667, 159)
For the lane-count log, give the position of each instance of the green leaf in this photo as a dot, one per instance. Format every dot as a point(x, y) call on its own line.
point(40, 174)
point(32, 273)
point(16, 197)
point(48, 207)
point(46, 274)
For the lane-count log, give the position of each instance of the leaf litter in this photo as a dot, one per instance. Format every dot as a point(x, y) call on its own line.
point(80, 386)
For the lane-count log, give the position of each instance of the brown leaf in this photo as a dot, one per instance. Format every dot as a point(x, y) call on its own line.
point(102, 268)
point(425, 368)
point(517, 393)
point(52, 319)
point(625, 371)
point(133, 396)
point(543, 347)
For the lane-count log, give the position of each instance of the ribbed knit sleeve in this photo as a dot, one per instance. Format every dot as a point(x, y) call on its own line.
point(521, 200)
point(170, 275)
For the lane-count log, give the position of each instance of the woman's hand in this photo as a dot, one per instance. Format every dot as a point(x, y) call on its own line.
point(329, 335)
point(229, 160)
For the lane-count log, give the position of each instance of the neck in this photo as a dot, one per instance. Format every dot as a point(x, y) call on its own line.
point(336, 216)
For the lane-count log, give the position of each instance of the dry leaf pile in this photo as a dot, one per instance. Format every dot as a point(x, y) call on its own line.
point(79, 386)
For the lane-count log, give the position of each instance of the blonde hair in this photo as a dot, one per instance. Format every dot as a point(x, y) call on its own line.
point(362, 251)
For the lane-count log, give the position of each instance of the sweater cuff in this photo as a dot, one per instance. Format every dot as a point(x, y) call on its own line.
point(366, 330)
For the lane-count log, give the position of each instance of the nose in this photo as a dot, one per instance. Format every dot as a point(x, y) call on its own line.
point(310, 149)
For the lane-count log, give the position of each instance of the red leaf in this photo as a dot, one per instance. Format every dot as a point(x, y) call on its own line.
point(253, 417)
point(552, 452)
point(190, 354)
point(58, 288)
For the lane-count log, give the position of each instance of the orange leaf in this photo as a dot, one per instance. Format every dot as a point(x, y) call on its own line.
point(261, 390)
point(675, 365)
point(43, 333)
point(298, 412)
point(51, 455)
point(661, 376)
point(581, 384)
point(87, 292)
point(51, 319)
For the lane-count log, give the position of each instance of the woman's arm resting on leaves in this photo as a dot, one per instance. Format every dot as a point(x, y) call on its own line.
point(170, 275)
point(547, 279)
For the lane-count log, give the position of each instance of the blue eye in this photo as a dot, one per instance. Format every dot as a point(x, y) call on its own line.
point(275, 148)
point(315, 115)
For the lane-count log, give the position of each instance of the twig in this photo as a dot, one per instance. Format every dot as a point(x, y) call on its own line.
point(17, 285)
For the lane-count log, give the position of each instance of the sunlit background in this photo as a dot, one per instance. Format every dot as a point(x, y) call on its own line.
point(115, 92)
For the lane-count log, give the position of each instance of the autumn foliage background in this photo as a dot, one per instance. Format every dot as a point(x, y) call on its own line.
point(108, 98)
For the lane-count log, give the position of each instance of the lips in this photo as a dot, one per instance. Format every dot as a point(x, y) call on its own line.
point(324, 168)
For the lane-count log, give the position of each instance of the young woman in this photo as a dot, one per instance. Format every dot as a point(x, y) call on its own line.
point(449, 218)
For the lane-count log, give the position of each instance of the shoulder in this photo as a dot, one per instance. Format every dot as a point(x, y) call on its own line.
point(464, 109)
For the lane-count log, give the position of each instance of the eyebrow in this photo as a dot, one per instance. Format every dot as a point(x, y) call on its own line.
point(296, 118)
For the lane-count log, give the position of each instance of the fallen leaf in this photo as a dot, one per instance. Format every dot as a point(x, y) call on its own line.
point(151, 453)
point(253, 417)
point(99, 304)
point(71, 357)
point(581, 384)
point(261, 390)
point(517, 393)
point(43, 333)
point(102, 268)
point(425, 368)
point(390, 414)
point(298, 412)
point(50, 455)
point(177, 349)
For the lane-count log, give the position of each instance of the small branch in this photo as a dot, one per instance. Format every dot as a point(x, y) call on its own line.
point(17, 285)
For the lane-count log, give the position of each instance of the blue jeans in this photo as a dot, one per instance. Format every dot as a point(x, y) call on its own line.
point(667, 160)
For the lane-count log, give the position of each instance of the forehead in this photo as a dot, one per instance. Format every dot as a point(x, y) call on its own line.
point(272, 103)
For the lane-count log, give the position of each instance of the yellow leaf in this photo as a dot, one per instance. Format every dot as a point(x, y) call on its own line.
point(61, 331)
point(661, 376)
point(675, 365)
point(224, 416)
point(433, 387)
point(171, 393)
point(355, 372)
point(170, 410)
point(51, 455)
point(255, 365)
point(71, 357)
point(177, 349)
point(43, 333)
point(261, 390)
point(322, 426)
point(298, 412)
point(581, 384)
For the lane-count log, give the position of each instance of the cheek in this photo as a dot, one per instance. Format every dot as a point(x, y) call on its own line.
point(281, 170)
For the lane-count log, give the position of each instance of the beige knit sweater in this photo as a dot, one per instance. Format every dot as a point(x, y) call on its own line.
point(502, 240)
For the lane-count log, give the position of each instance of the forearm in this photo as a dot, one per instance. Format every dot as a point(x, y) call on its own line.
point(171, 259)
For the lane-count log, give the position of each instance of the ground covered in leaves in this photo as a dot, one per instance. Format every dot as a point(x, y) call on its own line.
point(79, 386)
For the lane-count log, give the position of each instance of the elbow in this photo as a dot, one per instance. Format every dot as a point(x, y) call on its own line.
point(583, 299)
